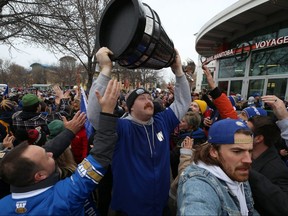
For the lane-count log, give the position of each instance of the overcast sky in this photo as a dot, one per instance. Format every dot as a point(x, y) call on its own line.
point(182, 19)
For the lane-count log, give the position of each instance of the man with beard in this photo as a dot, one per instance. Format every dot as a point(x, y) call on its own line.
point(141, 162)
point(216, 182)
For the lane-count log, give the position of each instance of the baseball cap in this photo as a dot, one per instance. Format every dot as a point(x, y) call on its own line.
point(223, 131)
point(133, 95)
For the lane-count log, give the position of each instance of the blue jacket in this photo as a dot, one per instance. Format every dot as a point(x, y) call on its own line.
point(201, 193)
point(66, 197)
point(141, 166)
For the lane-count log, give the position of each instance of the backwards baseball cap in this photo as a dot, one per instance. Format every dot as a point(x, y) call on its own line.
point(29, 100)
point(133, 95)
point(223, 131)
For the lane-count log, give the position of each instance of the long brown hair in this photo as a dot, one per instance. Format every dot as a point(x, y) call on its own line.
point(202, 153)
point(66, 163)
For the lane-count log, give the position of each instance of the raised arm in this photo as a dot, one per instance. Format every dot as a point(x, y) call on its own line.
point(220, 100)
point(105, 137)
point(182, 94)
point(99, 85)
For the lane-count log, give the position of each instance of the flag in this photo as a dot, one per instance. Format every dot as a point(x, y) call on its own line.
point(6, 91)
point(83, 108)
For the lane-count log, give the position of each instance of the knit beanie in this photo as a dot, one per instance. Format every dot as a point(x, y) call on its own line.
point(233, 100)
point(253, 111)
point(251, 100)
point(55, 127)
point(202, 105)
point(133, 95)
point(29, 100)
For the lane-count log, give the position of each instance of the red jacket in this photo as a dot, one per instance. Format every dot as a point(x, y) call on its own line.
point(79, 146)
point(223, 104)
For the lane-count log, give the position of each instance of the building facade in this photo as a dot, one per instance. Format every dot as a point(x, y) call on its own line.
point(247, 45)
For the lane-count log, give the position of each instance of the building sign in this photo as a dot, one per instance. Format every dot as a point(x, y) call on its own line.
point(243, 51)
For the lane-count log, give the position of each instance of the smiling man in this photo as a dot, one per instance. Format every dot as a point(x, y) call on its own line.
point(216, 182)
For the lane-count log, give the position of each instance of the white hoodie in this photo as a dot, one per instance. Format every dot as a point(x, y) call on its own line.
point(237, 188)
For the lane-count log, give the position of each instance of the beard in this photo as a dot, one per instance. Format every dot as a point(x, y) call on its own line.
point(239, 173)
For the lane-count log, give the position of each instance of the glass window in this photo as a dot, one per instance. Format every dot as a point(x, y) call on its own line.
point(223, 85)
point(277, 87)
point(236, 87)
point(283, 32)
point(269, 62)
point(230, 67)
point(256, 86)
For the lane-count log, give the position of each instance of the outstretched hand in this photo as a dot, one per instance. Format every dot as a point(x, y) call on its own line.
point(76, 123)
point(109, 100)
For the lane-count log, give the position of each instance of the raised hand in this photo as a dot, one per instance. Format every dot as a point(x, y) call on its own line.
point(8, 141)
point(277, 105)
point(104, 60)
point(209, 77)
point(58, 93)
point(109, 99)
point(76, 123)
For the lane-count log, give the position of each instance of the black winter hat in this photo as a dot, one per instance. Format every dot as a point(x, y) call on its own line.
point(133, 95)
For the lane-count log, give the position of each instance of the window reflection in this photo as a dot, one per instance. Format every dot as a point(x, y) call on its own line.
point(276, 87)
point(223, 85)
point(256, 86)
point(269, 62)
point(230, 67)
point(235, 87)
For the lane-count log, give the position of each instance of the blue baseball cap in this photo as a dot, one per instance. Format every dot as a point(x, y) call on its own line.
point(223, 131)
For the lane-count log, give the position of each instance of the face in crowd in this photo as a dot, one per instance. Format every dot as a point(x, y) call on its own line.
point(195, 107)
point(235, 159)
point(43, 159)
point(143, 107)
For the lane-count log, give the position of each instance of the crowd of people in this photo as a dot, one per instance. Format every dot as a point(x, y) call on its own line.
point(164, 152)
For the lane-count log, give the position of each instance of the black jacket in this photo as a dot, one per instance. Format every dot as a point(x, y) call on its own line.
point(269, 183)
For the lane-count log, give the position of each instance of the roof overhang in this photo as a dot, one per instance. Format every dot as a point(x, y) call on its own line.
point(241, 18)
